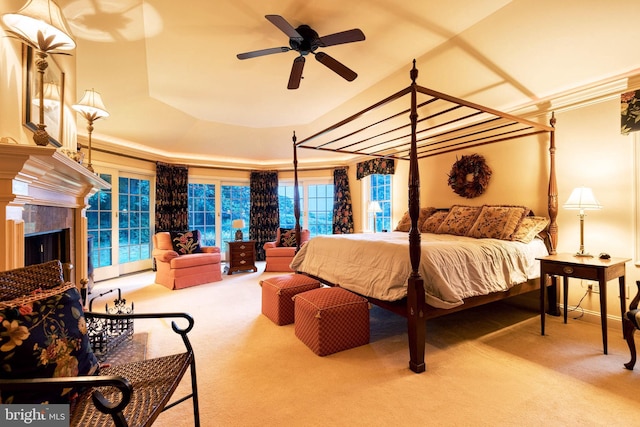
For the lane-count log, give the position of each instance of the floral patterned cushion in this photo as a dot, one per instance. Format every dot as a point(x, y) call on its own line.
point(287, 237)
point(44, 335)
point(431, 224)
point(186, 242)
point(497, 222)
point(459, 220)
point(529, 228)
point(405, 222)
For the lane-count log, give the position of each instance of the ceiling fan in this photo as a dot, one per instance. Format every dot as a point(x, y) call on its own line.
point(305, 40)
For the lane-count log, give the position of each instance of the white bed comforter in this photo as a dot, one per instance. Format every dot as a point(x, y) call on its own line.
point(453, 267)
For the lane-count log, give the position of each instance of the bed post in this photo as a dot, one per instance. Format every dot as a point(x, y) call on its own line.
point(553, 189)
point(416, 325)
point(296, 194)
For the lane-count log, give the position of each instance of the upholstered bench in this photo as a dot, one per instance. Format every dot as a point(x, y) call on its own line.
point(277, 294)
point(329, 320)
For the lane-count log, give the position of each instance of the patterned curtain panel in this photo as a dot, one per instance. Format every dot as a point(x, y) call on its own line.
point(172, 197)
point(342, 210)
point(630, 112)
point(264, 218)
point(379, 166)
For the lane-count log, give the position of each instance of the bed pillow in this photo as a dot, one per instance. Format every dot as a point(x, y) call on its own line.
point(529, 228)
point(459, 220)
point(186, 242)
point(405, 222)
point(497, 222)
point(431, 224)
point(287, 238)
point(44, 335)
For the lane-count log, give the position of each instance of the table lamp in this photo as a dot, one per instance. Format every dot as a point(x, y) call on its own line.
point(239, 225)
point(374, 207)
point(582, 199)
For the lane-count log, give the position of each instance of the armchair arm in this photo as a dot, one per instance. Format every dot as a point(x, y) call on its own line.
point(210, 249)
point(164, 255)
point(269, 245)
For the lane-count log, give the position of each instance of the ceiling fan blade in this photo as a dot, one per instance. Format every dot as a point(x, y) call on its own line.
point(284, 26)
point(349, 36)
point(263, 52)
point(296, 73)
point(336, 66)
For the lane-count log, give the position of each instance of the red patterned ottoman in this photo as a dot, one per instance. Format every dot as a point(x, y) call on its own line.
point(277, 294)
point(329, 320)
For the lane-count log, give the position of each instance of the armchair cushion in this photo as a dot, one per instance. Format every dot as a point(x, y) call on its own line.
point(44, 335)
point(287, 237)
point(186, 242)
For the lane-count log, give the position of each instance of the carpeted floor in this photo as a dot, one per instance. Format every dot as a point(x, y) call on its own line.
point(487, 366)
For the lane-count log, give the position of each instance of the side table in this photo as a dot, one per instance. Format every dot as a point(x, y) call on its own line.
point(241, 256)
point(587, 268)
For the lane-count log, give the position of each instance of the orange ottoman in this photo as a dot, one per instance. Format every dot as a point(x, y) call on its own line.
point(329, 320)
point(277, 294)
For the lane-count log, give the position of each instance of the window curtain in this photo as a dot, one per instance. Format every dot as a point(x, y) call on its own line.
point(264, 218)
point(630, 112)
point(172, 197)
point(342, 209)
point(379, 166)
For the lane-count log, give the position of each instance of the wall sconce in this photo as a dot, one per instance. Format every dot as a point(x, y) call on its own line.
point(41, 25)
point(374, 207)
point(582, 199)
point(91, 108)
point(239, 225)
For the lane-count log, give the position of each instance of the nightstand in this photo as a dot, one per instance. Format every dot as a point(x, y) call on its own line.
point(587, 268)
point(241, 256)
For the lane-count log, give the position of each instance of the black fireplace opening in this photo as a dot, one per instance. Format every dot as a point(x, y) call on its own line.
point(47, 246)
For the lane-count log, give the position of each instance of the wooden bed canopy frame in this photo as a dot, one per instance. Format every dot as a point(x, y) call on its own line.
point(447, 124)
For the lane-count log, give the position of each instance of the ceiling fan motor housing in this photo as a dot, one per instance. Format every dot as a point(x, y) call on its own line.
point(309, 43)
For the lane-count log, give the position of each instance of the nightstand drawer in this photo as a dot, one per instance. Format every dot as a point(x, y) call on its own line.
point(576, 271)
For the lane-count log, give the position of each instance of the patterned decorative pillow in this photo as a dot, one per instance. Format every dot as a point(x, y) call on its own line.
point(431, 224)
point(405, 222)
point(186, 242)
point(529, 228)
point(44, 335)
point(497, 222)
point(459, 220)
point(287, 237)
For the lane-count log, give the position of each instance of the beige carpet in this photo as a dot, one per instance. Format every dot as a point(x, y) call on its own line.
point(485, 367)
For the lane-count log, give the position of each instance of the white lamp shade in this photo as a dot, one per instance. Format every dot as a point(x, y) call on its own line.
point(237, 223)
point(374, 207)
point(91, 105)
point(41, 16)
point(51, 96)
point(582, 198)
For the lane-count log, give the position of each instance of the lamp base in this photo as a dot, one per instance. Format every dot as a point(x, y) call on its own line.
point(583, 254)
point(238, 235)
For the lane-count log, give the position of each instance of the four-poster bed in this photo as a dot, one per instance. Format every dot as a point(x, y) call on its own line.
point(438, 124)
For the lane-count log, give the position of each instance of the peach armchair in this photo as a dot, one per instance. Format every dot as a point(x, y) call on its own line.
point(277, 256)
point(177, 271)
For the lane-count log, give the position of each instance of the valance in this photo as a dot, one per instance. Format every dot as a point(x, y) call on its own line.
point(379, 166)
point(630, 112)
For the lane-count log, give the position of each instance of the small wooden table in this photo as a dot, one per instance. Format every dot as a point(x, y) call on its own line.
point(241, 256)
point(587, 268)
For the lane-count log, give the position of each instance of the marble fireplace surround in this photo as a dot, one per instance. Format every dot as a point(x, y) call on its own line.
point(43, 177)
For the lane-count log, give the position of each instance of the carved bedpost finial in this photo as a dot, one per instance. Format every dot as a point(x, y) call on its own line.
point(294, 137)
point(414, 73)
point(552, 121)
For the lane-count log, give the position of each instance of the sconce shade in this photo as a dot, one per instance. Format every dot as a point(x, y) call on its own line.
point(374, 207)
point(582, 198)
point(41, 16)
point(237, 223)
point(91, 105)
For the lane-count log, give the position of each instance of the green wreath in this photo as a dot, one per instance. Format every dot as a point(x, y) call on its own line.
point(469, 176)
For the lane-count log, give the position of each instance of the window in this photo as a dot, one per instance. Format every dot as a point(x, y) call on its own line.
point(380, 191)
point(202, 212)
point(134, 220)
point(236, 204)
point(316, 207)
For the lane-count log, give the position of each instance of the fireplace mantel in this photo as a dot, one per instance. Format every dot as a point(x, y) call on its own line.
point(44, 176)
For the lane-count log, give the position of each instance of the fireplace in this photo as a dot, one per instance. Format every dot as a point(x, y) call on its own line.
point(43, 197)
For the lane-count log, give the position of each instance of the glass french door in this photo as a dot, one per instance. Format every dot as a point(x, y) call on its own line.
point(120, 226)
